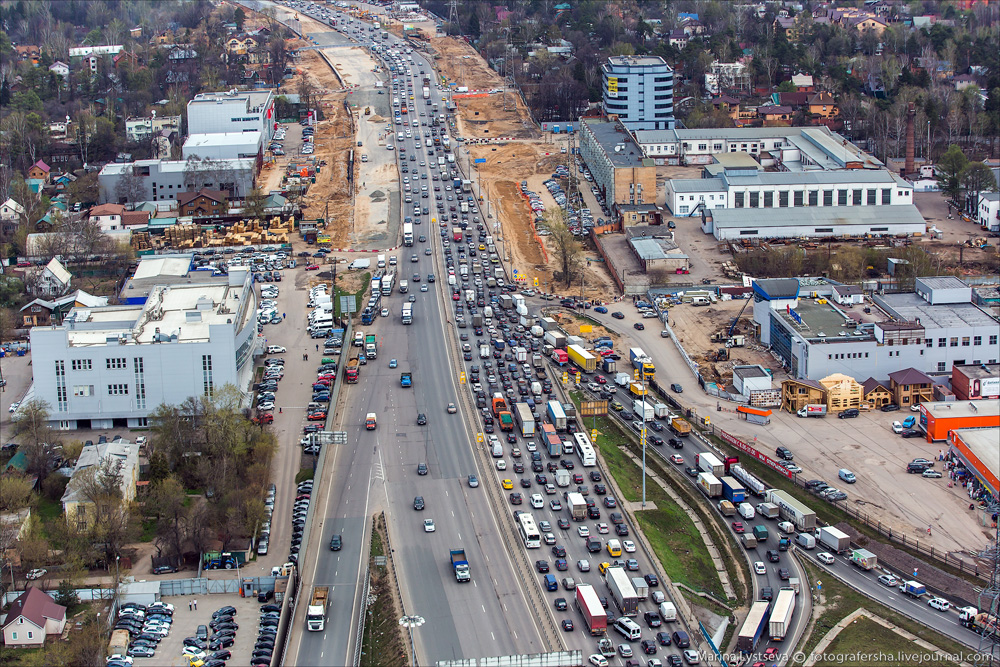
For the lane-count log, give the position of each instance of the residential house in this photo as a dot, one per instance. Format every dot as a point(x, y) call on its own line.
point(203, 203)
point(823, 104)
point(876, 393)
point(775, 115)
point(164, 37)
point(17, 524)
point(77, 506)
point(798, 393)
point(910, 387)
point(181, 53)
point(108, 216)
point(731, 105)
point(39, 171)
point(29, 52)
point(678, 39)
point(963, 81)
point(130, 58)
point(61, 69)
point(842, 392)
point(789, 26)
point(859, 19)
point(135, 219)
point(42, 312)
point(803, 83)
point(33, 616)
point(10, 213)
point(988, 211)
point(53, 279)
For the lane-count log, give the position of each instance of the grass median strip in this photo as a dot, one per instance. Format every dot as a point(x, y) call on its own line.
point(382, 644)
point(669, 530)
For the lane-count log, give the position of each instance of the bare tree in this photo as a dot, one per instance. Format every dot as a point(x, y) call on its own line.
point(131, 187)
point(568, 251)
point(112, 526)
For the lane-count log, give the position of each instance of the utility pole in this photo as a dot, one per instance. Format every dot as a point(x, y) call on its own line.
point(453, 16)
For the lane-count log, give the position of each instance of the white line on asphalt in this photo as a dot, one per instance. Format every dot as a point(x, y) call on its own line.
point(493, 636)
point(484, 608)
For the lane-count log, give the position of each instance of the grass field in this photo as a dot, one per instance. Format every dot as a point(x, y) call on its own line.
point(882, 646)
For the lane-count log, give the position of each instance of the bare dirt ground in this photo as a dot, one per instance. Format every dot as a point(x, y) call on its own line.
point(500, 177)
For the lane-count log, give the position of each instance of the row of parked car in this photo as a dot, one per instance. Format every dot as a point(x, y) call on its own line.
point(210, 644)
point(300, 510)
point(267, 632)
point(146, 626)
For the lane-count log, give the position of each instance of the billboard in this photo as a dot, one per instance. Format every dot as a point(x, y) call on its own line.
point(593, 408)
point(612, 86)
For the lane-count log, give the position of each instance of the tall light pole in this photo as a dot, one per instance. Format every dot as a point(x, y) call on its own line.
point(642, 373)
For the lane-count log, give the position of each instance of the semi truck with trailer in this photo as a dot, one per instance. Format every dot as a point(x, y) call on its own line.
point(781, 614)
point(460, 564)
point(552, 442)
point(749, 481)
point(556, 415)
point(791, 509)
point(620, 585)
point(579, 356)
point(588, 603)
point(316, 613)
point(524, 418)
point(753, 627)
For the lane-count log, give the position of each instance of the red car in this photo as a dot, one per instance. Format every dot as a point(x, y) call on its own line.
point(316, 416)
point(263, 418)
point(454, 297)
point(601, 379)
point(737, 526)
point(312, 267)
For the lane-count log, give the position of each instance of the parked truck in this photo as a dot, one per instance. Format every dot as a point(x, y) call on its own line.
point(371, 347)
point(316, 612)
point(556, 415)
point(812, 410)
point(790, 509)
point(709, 462)
point(680, 427)
point(749, 481)
point(119, 643)
point(732, 490)
point(579, 356)
point(588, 603)
point(460, 564)
point(833, 539)
point(525, 420)
point(641, 361)
point(914, 589)
point(643, 411)
point(709, 485)
point(781, 614)
point(577, 506)
point(351, 371)
point(753, 627)
point(864, 559)
point(620, 586)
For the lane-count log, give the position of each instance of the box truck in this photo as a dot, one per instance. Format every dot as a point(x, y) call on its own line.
point(812, 410)
point(864, 559)
point(833, 539)
point(781, 614)
point(525, 420)
point(643, 410)
point(732, 490)
point(588, 603)
point(621, 589)
point(709, 462)
point(709, 485)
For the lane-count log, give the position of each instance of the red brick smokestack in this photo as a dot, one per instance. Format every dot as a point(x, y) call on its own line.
point(910, 114)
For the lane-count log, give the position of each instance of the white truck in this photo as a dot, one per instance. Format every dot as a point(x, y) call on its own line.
point(833, 539)
point(643, 410)
point(316, 613)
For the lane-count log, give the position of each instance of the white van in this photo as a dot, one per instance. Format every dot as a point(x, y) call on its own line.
point(359, 338)
point(668, 612)
point(628, 628)
point(746, 511)
point(484, 351)
point(700, 301)
point(403, 286)
point(322, 322)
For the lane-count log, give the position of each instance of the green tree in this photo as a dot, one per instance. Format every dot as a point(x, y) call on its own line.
point(787, 87)
point(165, 504)
point(66, 595)
point(976, 178)
point(568, 251)
point(31, 429)
point(239, 17)
point(15, 492)
point(950, 167)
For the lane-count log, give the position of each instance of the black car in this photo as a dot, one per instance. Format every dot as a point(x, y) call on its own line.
point(652, 580)
point(648, 646)
point(558, 550)
point(912, 433)
point(639, 326)
point(421, 419)
point(621, 530)
point(889, 407)
point(418, 503)
point(773, 555)
point(336, 543)
point(561, 604)
point(663, 638)
point(271, 607)
point(542, 566)
point(421, 468)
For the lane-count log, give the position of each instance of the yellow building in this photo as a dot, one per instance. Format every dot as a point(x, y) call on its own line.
point(842, 392)
point(77, 501)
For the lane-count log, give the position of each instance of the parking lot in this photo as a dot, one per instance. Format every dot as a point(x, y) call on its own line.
point(186, 623)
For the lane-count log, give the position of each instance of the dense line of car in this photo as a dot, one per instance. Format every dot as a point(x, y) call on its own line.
point(146, 626)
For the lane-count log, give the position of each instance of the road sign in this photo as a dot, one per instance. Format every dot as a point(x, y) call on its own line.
point(576, 378)
point(593, 435)
point(479, 437)
point(348, 304)
point(586, 328)
point(479, 160)
point(338, 437)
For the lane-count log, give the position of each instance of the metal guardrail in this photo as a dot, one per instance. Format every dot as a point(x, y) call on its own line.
point(359, 639)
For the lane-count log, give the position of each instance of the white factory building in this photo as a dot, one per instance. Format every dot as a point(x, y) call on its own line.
point(110, 367)
point(225, 146)
point(232, 111)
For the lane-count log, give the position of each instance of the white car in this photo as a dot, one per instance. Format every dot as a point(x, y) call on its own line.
point(602, 528)
point(628, 546)
point(759, 567)
point(583, 531)
point(385, 312)
point(501, 465)
point(897, 427)
point(691, 657)
point(598, 660)
point(825, 557)
point(537, 501)
point(13, 407)
point(35, 574)
point(939, 603)
point(429, 525)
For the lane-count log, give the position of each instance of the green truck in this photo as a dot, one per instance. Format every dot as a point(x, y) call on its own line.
point(760, 532)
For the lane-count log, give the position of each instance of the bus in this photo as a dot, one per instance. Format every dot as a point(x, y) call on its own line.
point(529, 531)
point(583, 445)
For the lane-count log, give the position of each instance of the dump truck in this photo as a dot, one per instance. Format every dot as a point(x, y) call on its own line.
point(621, 589)
point(351, 371)
point(316, 612)
point(709, 485)
point(833, 539)
point(812, 410)
point(525, 420)
point(914, 589)
point(732, 490)
point(406, 380)
point(577, 506)
point(588, 603)
point(502, 412)
point(371, 347)
point(753, 627)
point(680, 427)
point(864, 559)
point(579, 356)
point(781, 614)
point(460, 564)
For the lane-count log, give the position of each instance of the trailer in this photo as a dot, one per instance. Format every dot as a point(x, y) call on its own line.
point(556, 415)
point(864, 559)
point(709, 485)
point(751, 483)
point(791, 509)
point(833, 539)
point(579, 356)
point(588, 603)
point(753, 627)
point(525, 420)
point(621, 589)
point(732, 490)
point(781, 614)
point(551, 441)
point(709, 462)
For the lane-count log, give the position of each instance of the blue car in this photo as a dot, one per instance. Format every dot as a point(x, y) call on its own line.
point(601, 309)
point(392, 363)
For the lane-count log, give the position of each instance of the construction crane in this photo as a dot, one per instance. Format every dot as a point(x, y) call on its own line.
point(736, 320)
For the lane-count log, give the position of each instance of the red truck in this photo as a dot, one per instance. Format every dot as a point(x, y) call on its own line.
point(456, 234)
point(351, 371)
point(502, 412)
point(589, 605)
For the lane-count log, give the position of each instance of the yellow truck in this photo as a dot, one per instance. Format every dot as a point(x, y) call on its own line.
point(680, 427)
point(637, 389)
point(579, 356)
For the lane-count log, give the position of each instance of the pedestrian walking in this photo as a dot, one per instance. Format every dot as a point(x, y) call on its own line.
point(190, 607)
point(196, 605)
point(317, 347)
